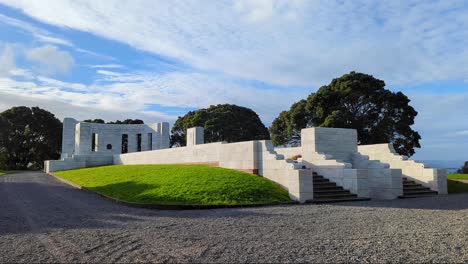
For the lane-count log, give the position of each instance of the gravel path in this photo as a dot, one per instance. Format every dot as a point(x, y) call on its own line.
point(43, 220)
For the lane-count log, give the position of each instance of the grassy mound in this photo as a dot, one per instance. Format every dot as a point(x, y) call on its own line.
point(457, 183)
point(178, 185)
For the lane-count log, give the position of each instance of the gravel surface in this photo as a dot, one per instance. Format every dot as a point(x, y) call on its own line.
point(43, 220)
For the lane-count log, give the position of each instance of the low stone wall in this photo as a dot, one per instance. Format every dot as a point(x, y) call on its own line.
point(435, 179)
point(239, 156)
point(77, 162)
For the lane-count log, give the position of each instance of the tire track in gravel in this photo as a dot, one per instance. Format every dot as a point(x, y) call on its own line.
point(50, 244)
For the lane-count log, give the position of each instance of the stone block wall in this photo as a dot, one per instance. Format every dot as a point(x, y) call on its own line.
point(338, 142)
point(195, 136)
point(197, 154)
point(77, 162)
point(291, 176)
point(435, 179)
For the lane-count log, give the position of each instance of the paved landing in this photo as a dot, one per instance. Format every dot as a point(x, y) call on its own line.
point(43, 220)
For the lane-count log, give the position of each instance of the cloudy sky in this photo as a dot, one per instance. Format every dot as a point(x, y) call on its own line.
point(156, 60)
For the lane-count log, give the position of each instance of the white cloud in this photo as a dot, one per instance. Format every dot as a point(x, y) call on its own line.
point(7, 60)
point(51, 60)
point(107, 66)
point(39, 34)
point(133, 91)
point(398, 41)
point(63, 109)
point(256, 11)
point(461, 133)
point(45, 36)
point(108, 73)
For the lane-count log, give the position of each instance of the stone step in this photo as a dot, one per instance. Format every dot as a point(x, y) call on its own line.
point(415, 192)
point(410, 184)
point(405, 196)
point(326, 191)
point(346, 194)
point(318, 185)
point(337, 200)
point(328, 187)
point(415, 187)
point(409, 181)
point(411, 189)
point(331, 191)
point(320, 180)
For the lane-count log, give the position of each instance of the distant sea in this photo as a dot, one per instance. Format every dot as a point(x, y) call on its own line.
point(450, 165)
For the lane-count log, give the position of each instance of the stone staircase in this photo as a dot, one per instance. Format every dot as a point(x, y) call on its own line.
point(326, 191)
point(411, 189)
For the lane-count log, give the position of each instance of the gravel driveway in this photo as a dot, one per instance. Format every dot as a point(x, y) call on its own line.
point(43, 220)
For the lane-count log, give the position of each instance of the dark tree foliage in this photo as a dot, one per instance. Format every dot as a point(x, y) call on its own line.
point(357, 101)
point(28, 136)
point(99, 121)
point(226, 122)
point(126, 121)
point(286, 128)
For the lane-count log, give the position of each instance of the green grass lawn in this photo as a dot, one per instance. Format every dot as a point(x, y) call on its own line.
point(2, 172)
point(455, 186)
point(457, 176)
point(178, 185)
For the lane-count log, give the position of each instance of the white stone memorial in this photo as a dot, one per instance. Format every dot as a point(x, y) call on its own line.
point(331, 167)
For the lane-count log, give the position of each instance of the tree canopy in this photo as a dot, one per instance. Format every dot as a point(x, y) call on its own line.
point(357, 101)
point(126, 121)
point(224, 122)
point(28, 136)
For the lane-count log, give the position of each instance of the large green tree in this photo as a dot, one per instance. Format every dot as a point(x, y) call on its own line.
point(28, 136)
point(224, 122)
point(126, 121)
point(354, 100)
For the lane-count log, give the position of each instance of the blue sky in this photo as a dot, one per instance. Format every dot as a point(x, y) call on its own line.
point(156, 60)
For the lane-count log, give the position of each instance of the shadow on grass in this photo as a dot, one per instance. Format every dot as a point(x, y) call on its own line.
point(128, 191)
point(456, 186)
point(147, 194)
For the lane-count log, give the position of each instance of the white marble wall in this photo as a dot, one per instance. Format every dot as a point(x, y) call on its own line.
point(78, 136)
point(291, 176)
point(435, 179)
point(288, 153)
point(195, 136)
point(68, 137)
point(332, 152)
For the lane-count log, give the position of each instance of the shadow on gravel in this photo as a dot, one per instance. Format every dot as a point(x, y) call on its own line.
point(440, 202)
point(41, 203)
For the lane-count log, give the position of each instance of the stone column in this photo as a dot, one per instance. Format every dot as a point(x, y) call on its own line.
point(165, 137)
point(195, 136)
point(68, 137)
